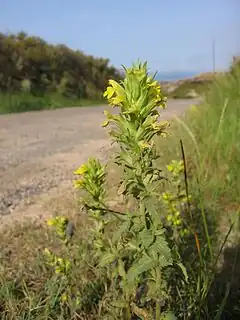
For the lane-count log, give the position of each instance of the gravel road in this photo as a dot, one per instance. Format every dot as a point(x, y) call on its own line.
point(39, 150)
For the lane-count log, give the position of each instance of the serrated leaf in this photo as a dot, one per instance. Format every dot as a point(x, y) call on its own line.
point(147, 179)
point(146, 237)
point(163, 262)
point(107, 258)
point(122, 228)
point(133, 245)
point(151, 205)
point(159, 232)
point(161, 248)
point(142, 265)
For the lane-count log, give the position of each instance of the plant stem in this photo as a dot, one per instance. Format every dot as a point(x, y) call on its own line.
point(206, 230)
point(158, 307)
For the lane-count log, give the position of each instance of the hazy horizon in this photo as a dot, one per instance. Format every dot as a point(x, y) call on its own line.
point(175, 75)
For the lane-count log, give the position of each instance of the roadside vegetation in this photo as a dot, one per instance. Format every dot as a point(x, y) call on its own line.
point(23, 102)
point(194, 87)
point(36, 75)
point(189, 89)
point(156, 234)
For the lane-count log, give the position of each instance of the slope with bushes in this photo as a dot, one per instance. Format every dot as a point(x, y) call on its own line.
point(189, 88)
point(32, 67)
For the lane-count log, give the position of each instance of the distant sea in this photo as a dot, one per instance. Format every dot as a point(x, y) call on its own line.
point(174, 76)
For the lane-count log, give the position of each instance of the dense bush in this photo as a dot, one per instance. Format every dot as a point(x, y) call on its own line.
point(30, 64)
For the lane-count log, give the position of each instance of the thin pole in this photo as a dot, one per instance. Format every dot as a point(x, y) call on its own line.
point(214, 56)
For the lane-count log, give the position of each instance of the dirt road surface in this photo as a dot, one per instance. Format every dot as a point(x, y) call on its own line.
point(39, 151)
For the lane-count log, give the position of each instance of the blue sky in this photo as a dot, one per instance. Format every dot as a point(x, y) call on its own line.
point(172, 35)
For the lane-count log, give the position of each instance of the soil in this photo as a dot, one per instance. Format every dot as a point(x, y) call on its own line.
point(40, 150)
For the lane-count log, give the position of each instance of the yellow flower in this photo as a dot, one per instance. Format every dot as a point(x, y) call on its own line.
point(166, 196)
point(177, 222)
point(50, 222)
point(81, 170)
point(109, 92)
point(64, 297)
point(79, 183)
point(143, 145)
point(193, 108)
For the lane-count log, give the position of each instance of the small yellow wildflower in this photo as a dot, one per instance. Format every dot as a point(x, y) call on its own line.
point(81, 170)
point(193, 108)
point(143, 145)
point(64, 297)
point(50, 222)
point(79, 183)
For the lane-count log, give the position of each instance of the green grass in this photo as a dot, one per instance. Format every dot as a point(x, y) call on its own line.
point(211, 139)
point(23, 102)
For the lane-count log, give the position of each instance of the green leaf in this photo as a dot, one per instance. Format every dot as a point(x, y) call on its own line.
point(142, 265)
point(163, 262)
point(152, 205)
point(184, 271)
point(124, 227)
point(107, 258)
point(162, 249)
point(121, 269)
point(159, 232)
point(168, 316)
point(146, 237)
point(120, 303)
